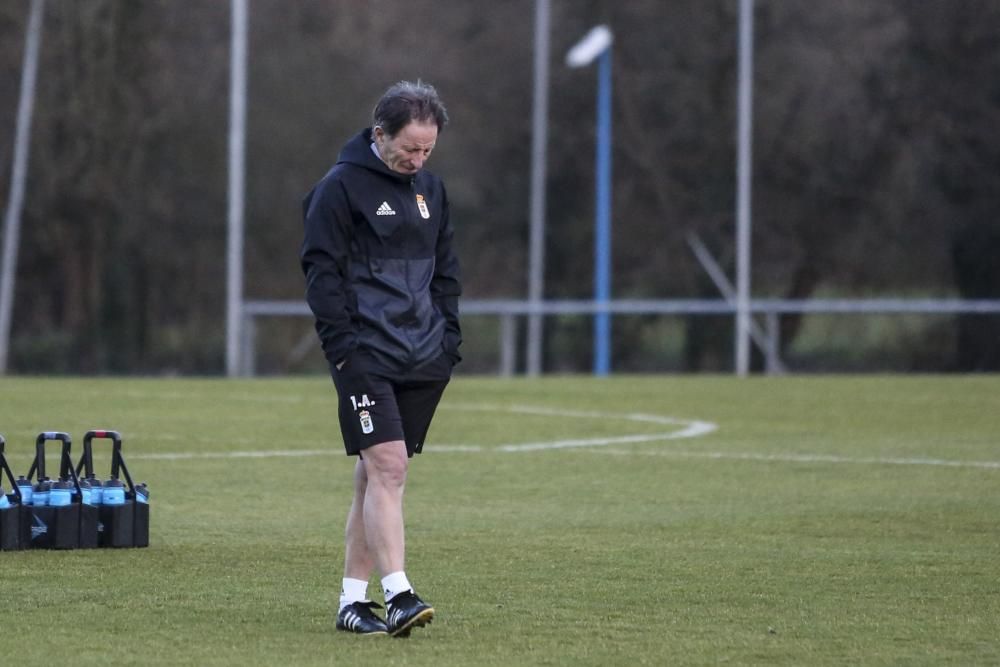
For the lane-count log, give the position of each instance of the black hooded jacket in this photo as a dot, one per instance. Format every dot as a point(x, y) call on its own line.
point(377, 255)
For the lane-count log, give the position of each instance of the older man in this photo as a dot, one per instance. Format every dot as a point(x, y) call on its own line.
point(383, 283)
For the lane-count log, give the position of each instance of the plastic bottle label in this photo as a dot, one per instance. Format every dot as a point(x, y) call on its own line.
point(113, 496)
point(60, 497)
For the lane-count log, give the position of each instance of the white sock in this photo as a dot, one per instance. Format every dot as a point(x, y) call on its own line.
point(395, 583)
point(353, 590)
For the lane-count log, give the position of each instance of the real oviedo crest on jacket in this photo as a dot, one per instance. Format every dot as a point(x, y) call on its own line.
point(422, 207)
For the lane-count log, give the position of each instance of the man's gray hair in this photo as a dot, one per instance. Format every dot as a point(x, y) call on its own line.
point(405, 102)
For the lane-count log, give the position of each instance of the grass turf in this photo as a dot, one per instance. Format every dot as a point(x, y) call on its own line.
point(826, 521)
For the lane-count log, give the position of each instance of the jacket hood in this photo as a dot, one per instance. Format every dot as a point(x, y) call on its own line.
point(358, 151)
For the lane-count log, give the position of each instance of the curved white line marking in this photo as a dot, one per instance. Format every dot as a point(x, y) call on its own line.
point(691, 428)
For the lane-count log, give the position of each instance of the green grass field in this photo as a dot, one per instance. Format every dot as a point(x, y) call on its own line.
point(561, 521)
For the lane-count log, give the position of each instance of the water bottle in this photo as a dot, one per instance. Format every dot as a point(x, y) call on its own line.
point(85, 493)
point(89, 517)
point(65, 526)
point(61, 493)
point(40, 494)
point(113, 492)
point(140, 532)
point(43, 528)
point(96, 490)
point(24, 486)
point(10, 520)
point(117, 516)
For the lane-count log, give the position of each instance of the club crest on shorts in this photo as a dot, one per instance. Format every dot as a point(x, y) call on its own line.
point(422, 206)
point(366, 422)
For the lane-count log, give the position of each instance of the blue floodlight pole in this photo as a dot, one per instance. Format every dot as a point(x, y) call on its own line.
point(602, 221)
point(596, 45)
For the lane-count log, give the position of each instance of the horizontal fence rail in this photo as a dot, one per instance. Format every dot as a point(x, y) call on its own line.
point(509, 309)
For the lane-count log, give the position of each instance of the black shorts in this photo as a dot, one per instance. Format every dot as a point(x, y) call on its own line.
point(375, 407)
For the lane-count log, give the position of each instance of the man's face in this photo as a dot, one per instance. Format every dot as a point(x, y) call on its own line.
point(406, 152)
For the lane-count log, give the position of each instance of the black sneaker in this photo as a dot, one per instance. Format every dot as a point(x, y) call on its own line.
point(358, 617)
point(406, 611)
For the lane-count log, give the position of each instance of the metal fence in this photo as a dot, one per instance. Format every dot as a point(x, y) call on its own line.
point(766, 338)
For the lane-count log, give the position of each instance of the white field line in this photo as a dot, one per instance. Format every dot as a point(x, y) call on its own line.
point(688, 429)
point(691, 428)
point(669, 453)
point(805, 458)
point(263, 454)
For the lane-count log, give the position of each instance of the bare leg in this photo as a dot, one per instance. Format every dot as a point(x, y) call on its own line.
point(385, 468)
point(358, 561)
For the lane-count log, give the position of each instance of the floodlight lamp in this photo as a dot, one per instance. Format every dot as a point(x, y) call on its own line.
point(593, 44)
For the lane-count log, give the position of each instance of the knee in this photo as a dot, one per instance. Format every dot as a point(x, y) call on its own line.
point(387, 466)
point(393, 474)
